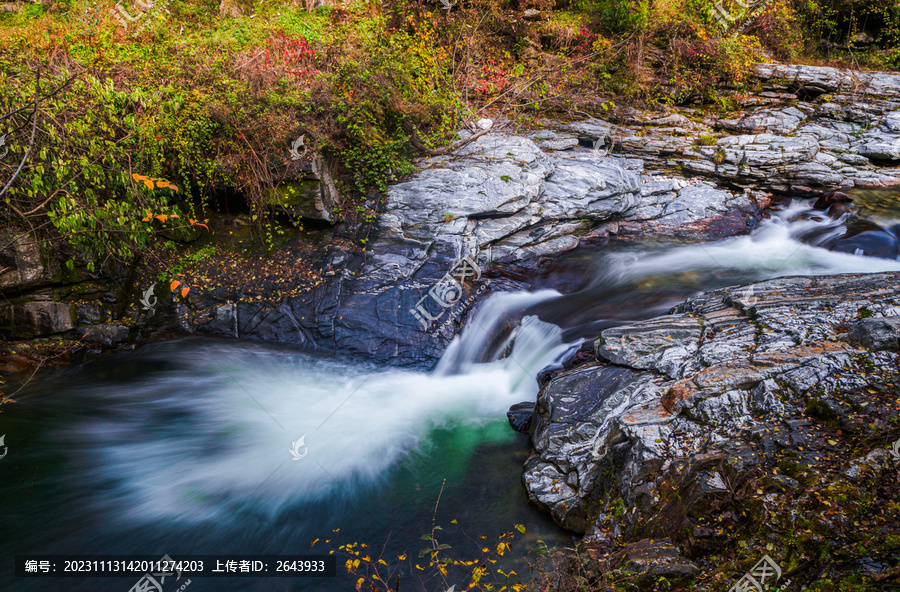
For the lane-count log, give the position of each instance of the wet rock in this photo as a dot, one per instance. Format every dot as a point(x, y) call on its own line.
point(105, 335)
point(877, 333)
point(662, 344)
point(519, 416)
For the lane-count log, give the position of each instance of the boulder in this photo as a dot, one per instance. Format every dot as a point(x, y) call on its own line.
point(519, 416)
point(877, 333)
point(37, 318)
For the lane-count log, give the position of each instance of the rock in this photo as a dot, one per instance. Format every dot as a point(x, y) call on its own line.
point(688, 403)
point(484, 124)
point(766, 120)
point(877, 333)
point(662, 344)
point(883, 142)
point(519, 416)
point(37, 318)
point(21, 265)
point(108, 336)
point(652, 559)
point(531, 14)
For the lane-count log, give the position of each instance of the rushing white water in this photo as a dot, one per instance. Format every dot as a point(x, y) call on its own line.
point(215, 435)
point(773, 250)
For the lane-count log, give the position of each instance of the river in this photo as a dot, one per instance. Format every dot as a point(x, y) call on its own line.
point(188, 446)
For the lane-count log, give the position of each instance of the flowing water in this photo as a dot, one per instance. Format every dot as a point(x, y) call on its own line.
point(188, 447)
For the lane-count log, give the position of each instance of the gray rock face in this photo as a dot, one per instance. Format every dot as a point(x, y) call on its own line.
point(877, 334)
point(499, 200)
point(36, 318)
point(20, 261)
point(672, 398)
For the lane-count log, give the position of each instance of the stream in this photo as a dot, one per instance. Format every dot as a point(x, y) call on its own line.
point(187, 446)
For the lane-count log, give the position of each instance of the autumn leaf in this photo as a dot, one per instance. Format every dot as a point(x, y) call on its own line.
point(147, 182)
point(162, 218)
point(174, 285)
point(162, 183)
point(137, 177)
point(185, 290)
point(148, 218)
point(359, 583)
point(174, 216)
point(173, 187)
point(314, 543)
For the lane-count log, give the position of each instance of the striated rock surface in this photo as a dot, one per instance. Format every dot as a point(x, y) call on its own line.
point(681, 411)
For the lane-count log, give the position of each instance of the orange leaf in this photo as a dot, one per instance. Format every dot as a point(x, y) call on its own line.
point(174, 216)
point(174, 285)
point(162, 183)
point(162, 217)
point(147, 182)
point(137, 177)
point(147, 219)
point(185, 290)
point(173, 187)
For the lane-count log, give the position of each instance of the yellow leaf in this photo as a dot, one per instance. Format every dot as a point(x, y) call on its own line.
point(185, 290)
point(314, 542)
point(359, 583)
point(382, 562)
point(148, 183)
point(173, 285)
point(401, 557)
point(367, 559)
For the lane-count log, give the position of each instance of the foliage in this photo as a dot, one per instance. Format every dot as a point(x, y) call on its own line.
point(479, 573)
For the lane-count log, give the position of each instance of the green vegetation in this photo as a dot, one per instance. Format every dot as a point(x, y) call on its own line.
point(211, 104)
